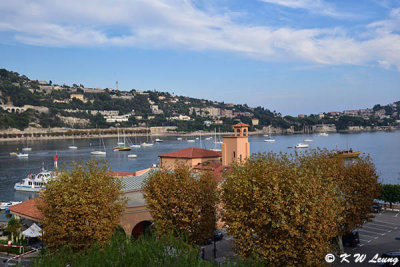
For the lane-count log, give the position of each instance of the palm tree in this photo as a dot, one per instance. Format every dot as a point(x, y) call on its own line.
point(13, 227)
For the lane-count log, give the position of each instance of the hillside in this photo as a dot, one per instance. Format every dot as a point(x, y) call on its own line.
point(43, 104)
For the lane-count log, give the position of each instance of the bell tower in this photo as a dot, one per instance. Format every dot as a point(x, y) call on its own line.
point(236, 147)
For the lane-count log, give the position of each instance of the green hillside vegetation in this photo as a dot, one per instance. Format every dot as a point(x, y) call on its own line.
point(18, 90)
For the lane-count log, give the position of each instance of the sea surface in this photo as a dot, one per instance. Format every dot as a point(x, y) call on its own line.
point(383, 147)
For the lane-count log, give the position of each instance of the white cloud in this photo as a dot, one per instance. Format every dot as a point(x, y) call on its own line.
point(314, 6)
point(178, 24)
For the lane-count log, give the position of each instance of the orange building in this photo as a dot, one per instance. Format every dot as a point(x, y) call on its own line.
point(191, 157)
point(236, 147)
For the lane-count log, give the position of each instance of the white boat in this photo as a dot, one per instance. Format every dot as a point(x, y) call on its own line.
point(5, 205)
point(266, 135)
point(147, 140)
point(73, 146)
point(191, 140)
point(136, 146)
point(100, 152)
point(323, 134)
point(26, 148)
point(209, 138)
point(179, 138)
point(159, 140)
point(197, 138)
point(308, 140)
point(146, 144)
point(301, 145)
point(218, 140)
point(270, 140)
point(132, 156)
point(34, 182)
point(216, 149)
point(22, 155)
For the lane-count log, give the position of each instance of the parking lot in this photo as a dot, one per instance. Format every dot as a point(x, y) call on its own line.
point(380, 235)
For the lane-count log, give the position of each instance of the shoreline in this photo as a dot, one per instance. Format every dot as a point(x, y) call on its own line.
point(59, 133)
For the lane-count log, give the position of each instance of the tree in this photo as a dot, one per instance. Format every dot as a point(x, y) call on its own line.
point(358, 183)
point(390, 193)
point(280, 210)
point(81, 206)
point(182, 202)
point(13, 227)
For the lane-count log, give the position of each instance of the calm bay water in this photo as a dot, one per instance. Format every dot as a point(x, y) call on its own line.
point(383, 147)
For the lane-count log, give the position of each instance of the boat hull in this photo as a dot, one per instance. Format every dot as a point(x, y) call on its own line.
point(122, 148)
point(98, 153)
point(348, 155)
point(28, 188)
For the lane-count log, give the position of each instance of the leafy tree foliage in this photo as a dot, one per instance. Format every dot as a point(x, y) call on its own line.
point(285, 209)
point(390, 193)
point(81, 207)
point(182, 202)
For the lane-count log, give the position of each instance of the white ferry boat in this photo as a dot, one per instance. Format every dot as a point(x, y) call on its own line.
point(34, 182)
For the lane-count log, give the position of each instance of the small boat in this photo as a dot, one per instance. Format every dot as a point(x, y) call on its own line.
point(73, 146)
point(301, 145)
point(308, 140)
point(132, 156)
point(209, 138)
point(197, 138)
point(179, 138)
point(146, 144)
point(216, 149)
point(135, 146)
point(122, 148)
point(269, 140)
point(22, 155)
point(13, 154)
point(98, 153)
point(266, 135)
point(5, 205)
point(34, 182)
point(191, 140)
point(323, 134)
point(348, 154)
point(159, 140)
point(26, 149)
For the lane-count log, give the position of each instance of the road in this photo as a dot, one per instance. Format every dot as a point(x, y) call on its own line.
point(380, 235)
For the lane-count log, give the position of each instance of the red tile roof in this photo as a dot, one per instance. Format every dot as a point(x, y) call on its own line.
point(218, 170)
point(28, 209)
point(192, 152)
point(241, 125)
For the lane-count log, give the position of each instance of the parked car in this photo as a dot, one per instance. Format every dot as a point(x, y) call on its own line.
point(217, 236)
point(377, 207)
point(391, 255)
point(351, 239)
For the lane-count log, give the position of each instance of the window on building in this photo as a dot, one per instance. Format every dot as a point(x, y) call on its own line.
point(234, 154)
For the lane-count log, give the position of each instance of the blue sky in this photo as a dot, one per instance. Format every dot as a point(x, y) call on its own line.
point(293, 56)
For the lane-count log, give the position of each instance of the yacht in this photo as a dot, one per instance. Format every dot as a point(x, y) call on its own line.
point(100, 152)
point(73, 146)
point(323, 134)
point(147, 139)
point(301, 145)
point(22, 155)
point(34, 182)
point(159, 140)
point(269, 140)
